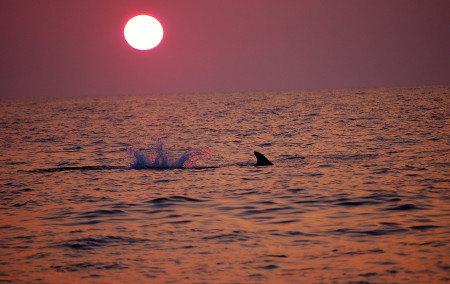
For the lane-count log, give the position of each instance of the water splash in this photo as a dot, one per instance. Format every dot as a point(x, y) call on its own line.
point(158, 159)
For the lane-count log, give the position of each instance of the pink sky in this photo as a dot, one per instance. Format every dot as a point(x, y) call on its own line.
point(71, 48)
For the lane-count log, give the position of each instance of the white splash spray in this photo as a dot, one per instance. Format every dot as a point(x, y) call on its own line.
point(158, 159)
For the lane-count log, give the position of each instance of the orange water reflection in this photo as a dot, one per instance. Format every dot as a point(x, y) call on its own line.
point(358, 193)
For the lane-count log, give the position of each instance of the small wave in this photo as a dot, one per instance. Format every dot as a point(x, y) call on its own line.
point(88, 266)
point(424, 227)
point(276, 255)
point(173, 199)
point(263, 211)
point(404, 207)
point(269, 267)
point(356, 203)
point(228, 238)
point(101, 213)
point(374, 232)
point(90, 243)
point(362, 252)
point(379, 232)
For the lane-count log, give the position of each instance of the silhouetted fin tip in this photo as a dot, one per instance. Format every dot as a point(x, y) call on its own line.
point(261, 160)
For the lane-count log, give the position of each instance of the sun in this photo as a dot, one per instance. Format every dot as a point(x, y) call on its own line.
point(143, 32)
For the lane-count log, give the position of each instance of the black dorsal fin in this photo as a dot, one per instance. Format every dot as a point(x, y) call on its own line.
point(261, 160)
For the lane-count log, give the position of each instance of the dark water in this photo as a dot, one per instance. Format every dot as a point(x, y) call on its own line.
point(358, 193)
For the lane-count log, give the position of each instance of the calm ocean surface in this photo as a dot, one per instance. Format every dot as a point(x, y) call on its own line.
point(359, 192)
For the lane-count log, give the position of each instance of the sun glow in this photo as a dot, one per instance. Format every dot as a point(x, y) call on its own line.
point(143, 32)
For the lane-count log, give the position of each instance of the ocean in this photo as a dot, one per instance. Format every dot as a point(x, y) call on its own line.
point(163, 189)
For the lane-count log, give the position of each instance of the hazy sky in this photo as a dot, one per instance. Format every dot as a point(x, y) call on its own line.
point(71, 48)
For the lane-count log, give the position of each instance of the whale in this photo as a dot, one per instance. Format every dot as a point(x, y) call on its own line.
point(159, 163)
point(261, 160)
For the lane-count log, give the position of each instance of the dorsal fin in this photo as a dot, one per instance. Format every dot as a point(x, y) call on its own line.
point(261, 160)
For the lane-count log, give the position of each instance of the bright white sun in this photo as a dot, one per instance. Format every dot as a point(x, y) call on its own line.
point(143, 32)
